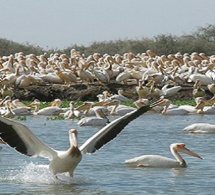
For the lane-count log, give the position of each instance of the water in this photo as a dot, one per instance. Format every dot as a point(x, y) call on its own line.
point(104, 172)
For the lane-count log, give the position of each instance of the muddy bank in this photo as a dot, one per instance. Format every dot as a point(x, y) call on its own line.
point(84, 92)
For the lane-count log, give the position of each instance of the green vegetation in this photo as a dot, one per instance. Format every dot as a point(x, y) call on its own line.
point(202, 40)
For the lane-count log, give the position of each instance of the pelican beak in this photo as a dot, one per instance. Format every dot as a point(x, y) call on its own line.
point(189, 152)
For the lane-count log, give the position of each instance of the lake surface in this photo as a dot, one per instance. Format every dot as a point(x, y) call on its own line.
point(104, 172)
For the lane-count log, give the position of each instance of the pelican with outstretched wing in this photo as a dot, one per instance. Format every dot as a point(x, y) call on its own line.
point(19, 137)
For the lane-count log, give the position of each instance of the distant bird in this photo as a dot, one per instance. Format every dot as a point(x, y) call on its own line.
point(211, 88)
point(118, 109)
point(167, 110)
point(141, 90)
point(119, 97)
point(48, 111)
point(71, 113)
point(99, 120)
point(161, 161)
point(198, 91)
point(19, 137)
point(169, 92)
point(200, 128)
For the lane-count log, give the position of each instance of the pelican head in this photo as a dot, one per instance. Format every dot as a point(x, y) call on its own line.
point(180, 147)
point(73, 137)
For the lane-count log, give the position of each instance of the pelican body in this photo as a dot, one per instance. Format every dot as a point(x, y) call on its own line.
point(20, 137)
point(161, 161)
point(201, 128)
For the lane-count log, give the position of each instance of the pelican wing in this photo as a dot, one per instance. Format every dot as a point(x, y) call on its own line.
point(110, 131)
point(19, 137)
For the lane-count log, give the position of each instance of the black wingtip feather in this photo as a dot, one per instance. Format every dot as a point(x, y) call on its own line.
point(10, 137)
point(120, 126)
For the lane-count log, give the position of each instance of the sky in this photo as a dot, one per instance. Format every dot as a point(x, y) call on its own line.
point(58, 24)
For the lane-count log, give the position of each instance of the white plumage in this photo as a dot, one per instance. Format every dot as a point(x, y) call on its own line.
point(161, 161)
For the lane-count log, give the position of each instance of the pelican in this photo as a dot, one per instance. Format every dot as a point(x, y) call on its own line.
point(211, 88)
point(170, 109)
point(141, 90)
point(198, 91)
point(71, 113)
point(117, 109)
point(9, 112)
point(167, 92)
point(99, 120)
point(161, 161)
point(50, 110)
point(205, 106)
point(20, 137)
point(204, 128)
point(119, 97)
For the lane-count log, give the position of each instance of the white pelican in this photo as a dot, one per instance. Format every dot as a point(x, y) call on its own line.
point(211, 88)
point(119, 97)
point(71, 113)
point(117, 109)
point(88, 108)
point(167, 92)
point(99, 120)
point(8, 110)
point(141, 90)
point(170, 109)
point(161, 161)
point(20, 109)
point(204, 128)
point(198, 91)
point(19, 137)
point(50, 110)
point(205, 106)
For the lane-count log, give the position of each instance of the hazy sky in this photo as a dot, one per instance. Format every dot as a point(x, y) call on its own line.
point(63, 23)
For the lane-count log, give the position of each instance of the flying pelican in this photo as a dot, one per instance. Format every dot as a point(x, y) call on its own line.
point(19, 137)
point(161, 161)
point(204, 128)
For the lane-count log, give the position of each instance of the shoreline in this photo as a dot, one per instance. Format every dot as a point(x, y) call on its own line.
point(88, 92)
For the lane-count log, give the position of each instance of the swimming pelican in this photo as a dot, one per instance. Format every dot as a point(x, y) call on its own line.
point(19, 137)
point(117, 109)
point(99, 120)
point(204, 128)
point(161, 161)
point(170, 109)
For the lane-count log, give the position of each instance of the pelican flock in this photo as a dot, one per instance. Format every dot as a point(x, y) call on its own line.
point(148, 76)
point(21, 138)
